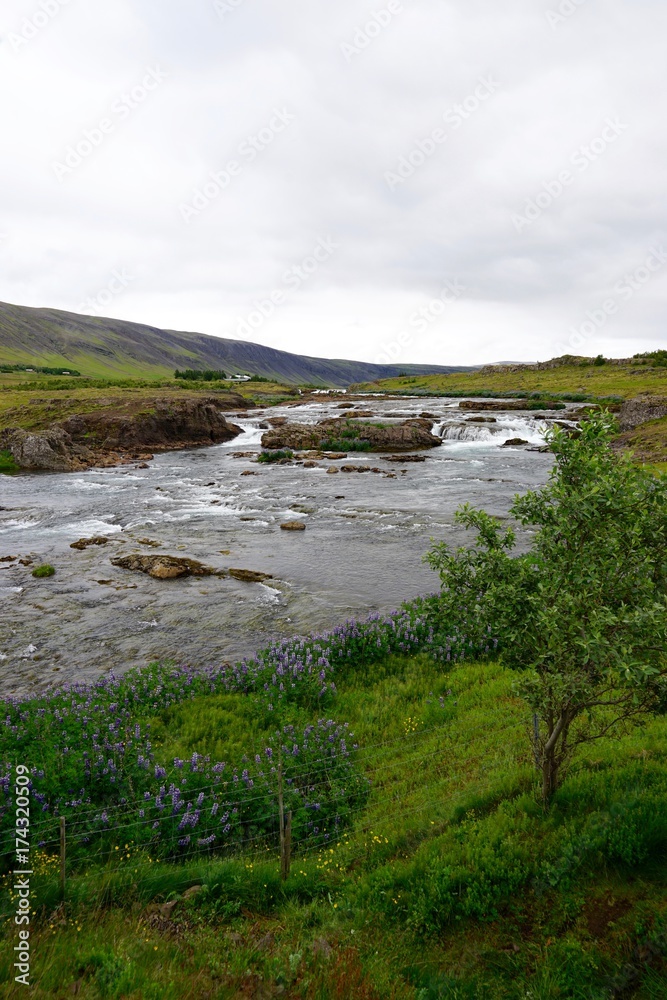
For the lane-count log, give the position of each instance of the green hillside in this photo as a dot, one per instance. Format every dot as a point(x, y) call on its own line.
point(110, 348)
point(612, 379)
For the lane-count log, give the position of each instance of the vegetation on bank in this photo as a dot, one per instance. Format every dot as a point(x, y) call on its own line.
point(8, 465)
point(595, 382)
point(428, 860)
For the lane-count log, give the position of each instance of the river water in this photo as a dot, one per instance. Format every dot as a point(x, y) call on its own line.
point(362, 549)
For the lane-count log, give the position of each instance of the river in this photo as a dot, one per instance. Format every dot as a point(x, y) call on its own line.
point(362, 549)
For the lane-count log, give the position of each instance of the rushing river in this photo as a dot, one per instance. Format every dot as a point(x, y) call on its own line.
point(362, 550)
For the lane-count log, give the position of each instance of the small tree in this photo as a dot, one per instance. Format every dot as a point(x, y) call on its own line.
point(583, 614)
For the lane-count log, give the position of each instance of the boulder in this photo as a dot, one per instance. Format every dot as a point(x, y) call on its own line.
point(408, 436)
point(333, 470)
point(405, 458)
point(484, 420)
point(512, 442)
point(249, 575)
point(165, 567)
point(83, 543)
point(639, 411)
point(293, 526)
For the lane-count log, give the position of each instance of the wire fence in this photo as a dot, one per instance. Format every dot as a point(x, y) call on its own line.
point(420, 786)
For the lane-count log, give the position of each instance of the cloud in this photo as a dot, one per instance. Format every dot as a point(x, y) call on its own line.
point(560, 70)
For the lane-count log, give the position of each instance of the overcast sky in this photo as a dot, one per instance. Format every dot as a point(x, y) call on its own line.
point(419, 180)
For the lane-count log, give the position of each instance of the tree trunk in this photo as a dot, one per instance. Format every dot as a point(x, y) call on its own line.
point(549, 775)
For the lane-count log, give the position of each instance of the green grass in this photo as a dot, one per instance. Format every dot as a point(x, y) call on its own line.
point(7, 464)
point(42, 571)
point(268, 457)
point(450, 882)
point(591, 381)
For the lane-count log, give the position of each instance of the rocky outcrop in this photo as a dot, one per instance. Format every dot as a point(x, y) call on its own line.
point(115, 436)
point(83, 543)
point(411, 435)
point(52, 450)
point(639, 411)
point(510, 404)
point(249, 575)
point(165, 567)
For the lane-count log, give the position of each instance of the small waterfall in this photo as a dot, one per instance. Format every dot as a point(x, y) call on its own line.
point(506, 428)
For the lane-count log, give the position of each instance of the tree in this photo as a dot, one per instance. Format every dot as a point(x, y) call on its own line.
point(582, 616)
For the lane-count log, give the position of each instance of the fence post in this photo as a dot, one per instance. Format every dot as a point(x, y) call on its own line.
point(63, 846)
point(287, 860)
point(281, 819)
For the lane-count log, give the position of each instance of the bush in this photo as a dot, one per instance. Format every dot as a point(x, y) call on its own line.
point(7, 463)
point(268, 457)
point(45, 570)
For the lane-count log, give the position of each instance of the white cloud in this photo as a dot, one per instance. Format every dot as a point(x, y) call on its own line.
point(324, 176)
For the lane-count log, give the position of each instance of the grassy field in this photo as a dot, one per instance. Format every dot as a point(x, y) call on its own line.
point(451, 881)
point(607, 380)
point(36, 404)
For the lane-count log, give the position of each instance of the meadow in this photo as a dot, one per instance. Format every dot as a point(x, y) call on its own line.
point(437, 872)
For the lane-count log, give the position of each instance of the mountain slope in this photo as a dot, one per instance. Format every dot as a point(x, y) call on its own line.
point(113, 348)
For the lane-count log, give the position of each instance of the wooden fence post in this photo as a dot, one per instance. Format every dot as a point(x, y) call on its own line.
point(63, 847)
point(281, 819)
point(287, 859)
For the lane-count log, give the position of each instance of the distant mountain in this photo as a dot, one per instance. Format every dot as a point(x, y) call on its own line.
point(112, 348)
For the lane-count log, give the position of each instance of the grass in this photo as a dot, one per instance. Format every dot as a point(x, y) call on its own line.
point(268, 457)
point(450, 882)
point(625, 381)
point(648, 442)
point(42, 571)
point(7, 464)
point(36, 405)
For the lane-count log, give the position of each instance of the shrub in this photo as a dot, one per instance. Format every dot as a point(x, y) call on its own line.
point(7, 463)
point(45, 570)
point(275, 456)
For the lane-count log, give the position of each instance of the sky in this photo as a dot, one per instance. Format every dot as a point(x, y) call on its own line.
point(415, 181)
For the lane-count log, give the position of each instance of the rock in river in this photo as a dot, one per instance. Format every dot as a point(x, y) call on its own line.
point(165, 567)
point(293, 526)
point(249, 575)
point(83, 543)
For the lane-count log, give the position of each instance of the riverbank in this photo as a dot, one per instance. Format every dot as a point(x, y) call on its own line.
point(447, 857)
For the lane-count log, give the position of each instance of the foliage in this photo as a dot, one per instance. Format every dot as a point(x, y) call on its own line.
point(96, 761)
point(8, 464)
point(282, 455)
point(44, 570)
point(583, 615)
point(657, 358)
point(207, 375)
point(41, 370)
point(570, 903)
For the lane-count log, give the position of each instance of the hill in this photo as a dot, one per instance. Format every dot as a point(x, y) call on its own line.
point(624, 378)
point(112, 348)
